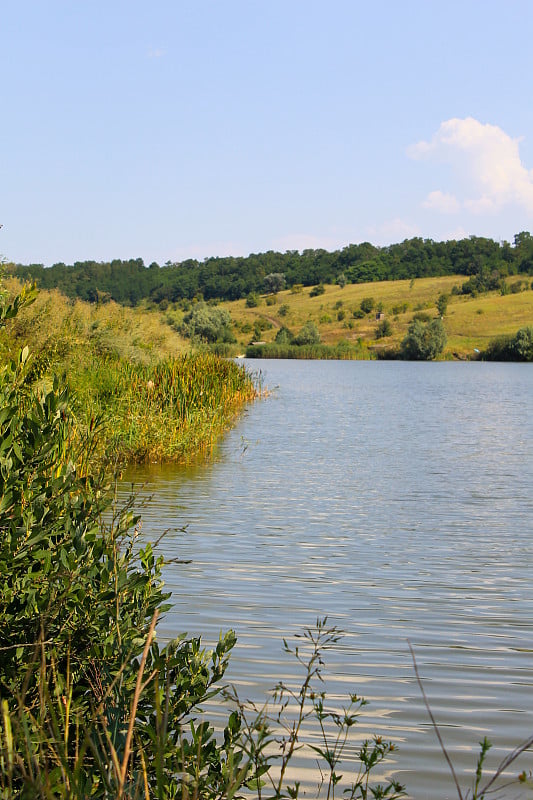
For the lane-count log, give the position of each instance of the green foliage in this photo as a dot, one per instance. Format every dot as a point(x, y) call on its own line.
point(424, 341)
point(383, 329)
point(271, 299)
point(342, 280)
point(400, 308)
point(511, 348)
point(252, 300)
point(308, 334)
point(129, 282)
point(209, 324)
point(273, 282)
point(284, 336)
point(442, 304)
point(317, 290)
point(367, 304)
point(121, 368)
point(78, 604)
point(283, 310)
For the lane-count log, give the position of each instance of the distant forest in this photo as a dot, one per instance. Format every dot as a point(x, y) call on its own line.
point(485, 263)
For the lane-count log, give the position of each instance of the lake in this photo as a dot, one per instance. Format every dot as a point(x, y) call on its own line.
point(396, 498)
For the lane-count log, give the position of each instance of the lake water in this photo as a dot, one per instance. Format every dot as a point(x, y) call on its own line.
point(397, 499)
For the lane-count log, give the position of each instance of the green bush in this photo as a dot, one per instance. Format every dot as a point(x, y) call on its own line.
point(308, 334)
point(284, 336)
point(317, 290)
point(511, 348)
point(367, 304)
point(209, 324)
point(442, 304)
point(424, 341)
point(78, 604)
point(252, 300)
point(383, 329)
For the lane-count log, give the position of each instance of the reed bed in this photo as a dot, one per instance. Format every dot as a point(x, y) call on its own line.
point(343, 351)
point(174, 410)
point(130, 376)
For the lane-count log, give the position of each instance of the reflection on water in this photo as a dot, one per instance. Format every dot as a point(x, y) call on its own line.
point(396, 499)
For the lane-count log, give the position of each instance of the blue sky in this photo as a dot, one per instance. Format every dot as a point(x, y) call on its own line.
point(192, 128)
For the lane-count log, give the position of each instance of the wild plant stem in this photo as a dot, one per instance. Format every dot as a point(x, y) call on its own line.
point(434, 723)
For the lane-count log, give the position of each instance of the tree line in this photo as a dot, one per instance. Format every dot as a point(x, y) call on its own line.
point(483, 261)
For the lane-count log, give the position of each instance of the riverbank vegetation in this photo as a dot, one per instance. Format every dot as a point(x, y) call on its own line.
point(91, 704)
point(129, 373)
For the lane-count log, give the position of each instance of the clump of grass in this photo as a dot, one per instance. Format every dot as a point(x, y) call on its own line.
point(174, 410)
point(343, 351)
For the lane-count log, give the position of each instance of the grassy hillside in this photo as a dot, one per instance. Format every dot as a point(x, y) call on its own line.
point(470, 322)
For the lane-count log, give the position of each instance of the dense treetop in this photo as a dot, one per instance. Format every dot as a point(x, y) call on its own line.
point(231, 278)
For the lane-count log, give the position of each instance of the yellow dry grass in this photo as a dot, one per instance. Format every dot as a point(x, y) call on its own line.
point(136, 334)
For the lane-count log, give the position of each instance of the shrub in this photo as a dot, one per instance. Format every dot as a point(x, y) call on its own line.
point(252, 300)
point(284, 336)
point(442, 304)
point(271, 300)
point(342, 280)
point(309, 334)
point(424, 341)
point(367, 304)
point(511, 348)
point(317, 290)
point(384, 329)
point(283, 310)
point(209, 324)
point(400, 308)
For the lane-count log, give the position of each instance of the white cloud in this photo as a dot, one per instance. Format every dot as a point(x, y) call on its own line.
point(442, 201)
point(485, 157)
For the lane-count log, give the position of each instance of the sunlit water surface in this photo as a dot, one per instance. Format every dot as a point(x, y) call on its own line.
point(396, 498)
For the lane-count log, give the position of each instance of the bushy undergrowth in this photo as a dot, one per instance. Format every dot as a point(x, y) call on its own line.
point(125, 371)
point(517, 347)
